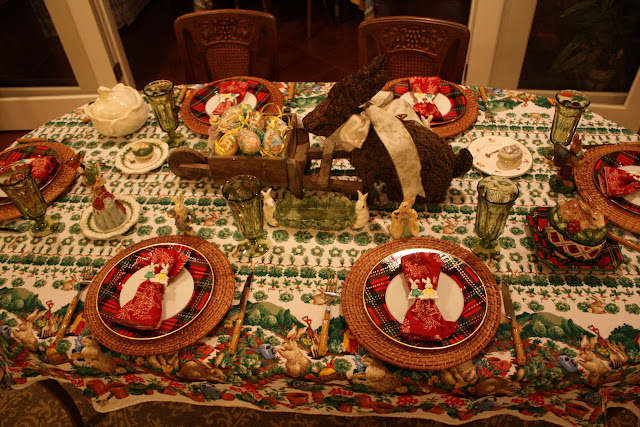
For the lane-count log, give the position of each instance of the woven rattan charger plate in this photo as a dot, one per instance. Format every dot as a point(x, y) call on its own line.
point(587, 189)
point(457, 126)
point(209, 317)
point(276, 103)
point(383, 347)
point(65, 177)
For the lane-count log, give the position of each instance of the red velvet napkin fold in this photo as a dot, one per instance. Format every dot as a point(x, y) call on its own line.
point(230, 87)
point(425, 90)
point(619, 182)
point(424, 321)
point(144, 311)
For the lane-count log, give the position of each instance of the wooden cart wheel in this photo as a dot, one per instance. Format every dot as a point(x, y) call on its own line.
point(188, 163)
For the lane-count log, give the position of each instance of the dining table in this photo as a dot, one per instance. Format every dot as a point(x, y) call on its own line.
point(579, 321)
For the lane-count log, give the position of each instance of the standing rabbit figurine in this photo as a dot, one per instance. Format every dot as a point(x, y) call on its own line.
point(362, 211)
point(184, 217)
point(269, 208)
point(404, 220)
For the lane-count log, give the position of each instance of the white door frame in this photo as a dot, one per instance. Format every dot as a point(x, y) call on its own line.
point(88, 35)
point(499, 36)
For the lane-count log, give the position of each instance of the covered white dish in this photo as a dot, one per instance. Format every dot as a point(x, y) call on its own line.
point(118, 111)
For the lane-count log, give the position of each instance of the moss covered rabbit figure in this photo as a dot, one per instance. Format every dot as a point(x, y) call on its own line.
point(373, 157)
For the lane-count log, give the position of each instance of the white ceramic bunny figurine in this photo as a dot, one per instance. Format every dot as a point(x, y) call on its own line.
point(269, 208)
point(362, 211)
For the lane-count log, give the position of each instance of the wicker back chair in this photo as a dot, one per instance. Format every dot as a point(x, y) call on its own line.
point(415, 46)
point(216, 44)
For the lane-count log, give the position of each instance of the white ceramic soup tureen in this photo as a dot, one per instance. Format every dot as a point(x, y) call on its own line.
point(117, 111)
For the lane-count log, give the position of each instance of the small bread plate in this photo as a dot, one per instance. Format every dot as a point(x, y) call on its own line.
point(485, 156)
point(91, 231)
point(249, 99)
point(127, 163)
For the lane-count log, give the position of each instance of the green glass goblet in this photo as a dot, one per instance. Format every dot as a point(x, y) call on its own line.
point(19, 185)
point(242, 193)
point(570, 105)
point(160, 96)
point(496, 196)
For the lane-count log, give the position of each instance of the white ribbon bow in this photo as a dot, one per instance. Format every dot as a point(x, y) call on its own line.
point(386, 114)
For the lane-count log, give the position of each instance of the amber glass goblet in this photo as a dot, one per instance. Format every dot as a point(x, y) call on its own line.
point(19, 185)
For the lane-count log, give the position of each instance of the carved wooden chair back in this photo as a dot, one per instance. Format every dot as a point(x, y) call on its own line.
point(216, 44)
point(415, 46)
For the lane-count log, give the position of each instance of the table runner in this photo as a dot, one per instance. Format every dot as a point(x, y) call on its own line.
point(554, 309)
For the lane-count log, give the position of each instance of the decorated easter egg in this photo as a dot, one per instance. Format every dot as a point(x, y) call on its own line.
point(272, 142)
point(276, 123)
point(227, 145)
point(248, 141)
point(256, 121)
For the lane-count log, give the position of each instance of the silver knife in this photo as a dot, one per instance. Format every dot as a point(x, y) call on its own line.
point(8, 230)
point(511, 316)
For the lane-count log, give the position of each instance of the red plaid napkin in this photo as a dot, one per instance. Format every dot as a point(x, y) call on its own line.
point(619, 182)
point(425, 90)
point(424, 321)
point(229, 87)
point(144, 311)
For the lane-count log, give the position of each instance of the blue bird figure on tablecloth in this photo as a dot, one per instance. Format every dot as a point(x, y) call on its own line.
point(567, 363)
point(209, 391)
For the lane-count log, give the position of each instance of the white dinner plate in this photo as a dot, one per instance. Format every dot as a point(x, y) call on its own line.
point(177, 294)
point(212, 103)
point(490, 165)
point(450, 300)
point(635, 196)
point(441, 101)
point(128, 164)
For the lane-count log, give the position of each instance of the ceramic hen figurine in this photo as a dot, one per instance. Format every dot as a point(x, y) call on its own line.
point(439, 164)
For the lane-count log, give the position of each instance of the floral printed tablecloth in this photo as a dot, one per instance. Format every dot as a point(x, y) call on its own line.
point(559, 311)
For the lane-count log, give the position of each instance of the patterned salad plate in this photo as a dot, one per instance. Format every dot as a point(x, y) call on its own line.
point(485, 156)
point(374, 304)
point(628, 161)
point(194, 301)
point(26, 154)
point(461, 293)
point(128, 164)
point(609, 259)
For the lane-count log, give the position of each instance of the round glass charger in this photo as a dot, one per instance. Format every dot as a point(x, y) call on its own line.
point(458, 101)
point(626, 160)
point(461, 291)
point(120, 283)
point(27, 154)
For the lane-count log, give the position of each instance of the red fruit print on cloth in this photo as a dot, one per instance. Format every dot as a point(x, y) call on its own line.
point(230, 87)
point(619, 182)
point(144, 311)
point(424, 321)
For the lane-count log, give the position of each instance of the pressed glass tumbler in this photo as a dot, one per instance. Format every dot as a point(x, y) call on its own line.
point(496, 196)
point(242, 193)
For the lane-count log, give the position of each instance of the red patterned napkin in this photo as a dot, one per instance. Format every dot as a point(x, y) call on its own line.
point(619, 182)
point(144, 311)
point(423, 320)
point(425, 90)
point(41, 167)
point(231, 92)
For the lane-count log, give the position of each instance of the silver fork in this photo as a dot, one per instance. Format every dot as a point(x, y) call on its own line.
point(87, 276)
point(330, 294)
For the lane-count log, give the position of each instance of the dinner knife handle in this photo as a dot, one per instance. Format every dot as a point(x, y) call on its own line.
point(517, 342)
point(236, 333)
point(67, 318)
point(324, 333)
point(26, 140)
point(483, 95)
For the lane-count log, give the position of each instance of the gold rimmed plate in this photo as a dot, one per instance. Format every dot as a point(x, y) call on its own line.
point(462, 299)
